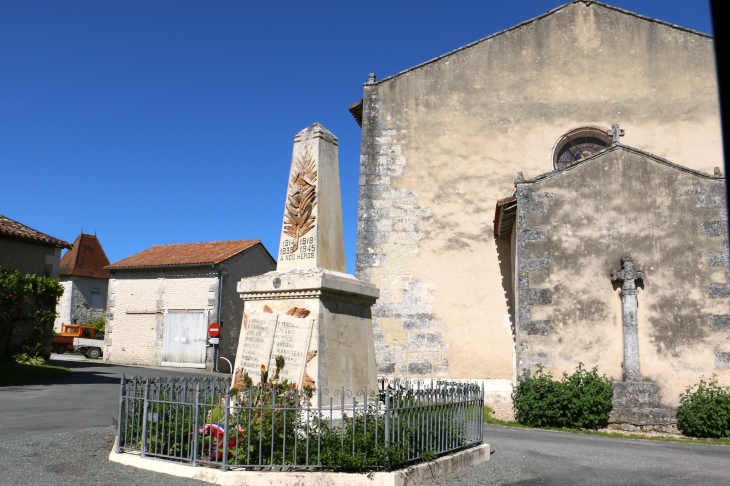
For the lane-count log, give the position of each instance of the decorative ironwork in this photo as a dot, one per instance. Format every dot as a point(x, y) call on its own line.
point(199, 421)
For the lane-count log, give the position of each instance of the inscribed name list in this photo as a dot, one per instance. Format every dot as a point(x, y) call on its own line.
point(291, 340)
point(272, 335)
point(259, 339)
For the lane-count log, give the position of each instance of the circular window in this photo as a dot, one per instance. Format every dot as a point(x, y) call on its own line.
point(578, 144)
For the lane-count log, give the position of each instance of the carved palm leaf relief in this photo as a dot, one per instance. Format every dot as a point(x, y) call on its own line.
point(301, 198)
point(297, 312)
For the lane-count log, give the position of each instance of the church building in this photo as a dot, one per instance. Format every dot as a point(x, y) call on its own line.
point(521, 194)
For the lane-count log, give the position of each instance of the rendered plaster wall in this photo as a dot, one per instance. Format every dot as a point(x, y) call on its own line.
point(136, 304)
point(573, 228)
point(255, 261)
point(29, 257)
point(443, 141)
point(63, 309)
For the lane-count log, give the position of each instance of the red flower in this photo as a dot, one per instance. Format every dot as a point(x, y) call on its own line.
point(263, 368)
point(12, 296)
point(17, 303)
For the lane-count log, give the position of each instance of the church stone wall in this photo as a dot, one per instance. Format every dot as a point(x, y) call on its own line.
point(574, 227)
point(443, 141)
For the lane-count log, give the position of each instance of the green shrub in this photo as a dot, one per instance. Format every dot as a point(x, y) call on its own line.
point(23, 358)
point(27, 311)
point(98, 322)
point(704, 410)
point(578, 401)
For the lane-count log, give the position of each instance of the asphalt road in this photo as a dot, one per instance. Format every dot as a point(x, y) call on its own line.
point(87, 397)
point(541, 457)
point(45, 426)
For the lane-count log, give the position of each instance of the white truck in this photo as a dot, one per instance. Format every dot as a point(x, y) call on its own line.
point(91, 348)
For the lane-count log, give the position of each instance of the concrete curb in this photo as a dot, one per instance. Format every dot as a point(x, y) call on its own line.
point(413, 475)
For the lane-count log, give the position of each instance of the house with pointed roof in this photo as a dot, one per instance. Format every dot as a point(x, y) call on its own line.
point(28, 250)
point(85, 282)
point(443, 142)
point(162, 300)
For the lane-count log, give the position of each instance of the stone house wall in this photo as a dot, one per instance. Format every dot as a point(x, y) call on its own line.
point(137, 301)
point(136, 304)
point(443, 141)
point(572, 229)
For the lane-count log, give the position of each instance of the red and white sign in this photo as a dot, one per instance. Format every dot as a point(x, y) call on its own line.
point(214, 329)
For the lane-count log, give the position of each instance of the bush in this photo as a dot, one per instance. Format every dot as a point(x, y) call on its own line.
point(704, 410)
point(27, 311)
point(98, 322)
point(579, 401)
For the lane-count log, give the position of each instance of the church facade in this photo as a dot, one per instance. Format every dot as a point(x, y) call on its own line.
point(442, 145)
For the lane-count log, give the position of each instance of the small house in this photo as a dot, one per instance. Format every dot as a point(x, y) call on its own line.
point(162, 300)
point(27, 250)
point(85, 282)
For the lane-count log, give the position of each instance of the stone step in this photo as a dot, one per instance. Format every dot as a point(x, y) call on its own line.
point(635, 394)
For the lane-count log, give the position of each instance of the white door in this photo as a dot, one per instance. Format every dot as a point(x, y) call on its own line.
point(184, 338)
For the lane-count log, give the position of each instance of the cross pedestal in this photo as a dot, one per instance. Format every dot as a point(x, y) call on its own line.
point(629, 314)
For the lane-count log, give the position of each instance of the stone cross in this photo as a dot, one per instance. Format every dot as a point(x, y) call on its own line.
point(312, 233)
point(615, 132)
point(629, 310)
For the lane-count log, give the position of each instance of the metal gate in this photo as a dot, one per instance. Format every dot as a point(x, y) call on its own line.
point(183, 342)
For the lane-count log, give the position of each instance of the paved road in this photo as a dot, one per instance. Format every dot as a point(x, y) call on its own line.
point(539, 457)
point(87, 397)
point(45, 426)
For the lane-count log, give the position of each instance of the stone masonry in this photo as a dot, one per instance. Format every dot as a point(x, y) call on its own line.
point(388, 215)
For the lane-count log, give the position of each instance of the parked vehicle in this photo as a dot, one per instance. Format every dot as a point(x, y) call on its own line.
point(65, 341)
point(91, 348)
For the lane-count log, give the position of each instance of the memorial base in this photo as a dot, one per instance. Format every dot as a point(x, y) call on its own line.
point(319, 320)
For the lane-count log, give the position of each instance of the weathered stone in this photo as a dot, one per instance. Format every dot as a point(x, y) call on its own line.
point(717, 259)
point(713, 228)
point(719, 291)
point(530, 360)
point(312, 234)
point(539, 328)
point(642, 416)
point(419, 369)
point(536, 296)
point(722, 360)
point(635, 394)
point(720, 323)
point(534, 264)
point(710, 201)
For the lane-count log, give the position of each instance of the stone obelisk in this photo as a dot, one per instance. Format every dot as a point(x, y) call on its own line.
point(309, 311)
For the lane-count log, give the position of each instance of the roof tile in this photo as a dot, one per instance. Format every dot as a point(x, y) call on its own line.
point(85, 259)
point(211, 252)
point(14, 229)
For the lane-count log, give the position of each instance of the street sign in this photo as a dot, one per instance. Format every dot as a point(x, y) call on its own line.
point(213, 340)
point(214, 329)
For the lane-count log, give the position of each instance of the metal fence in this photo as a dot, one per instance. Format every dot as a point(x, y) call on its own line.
point(198, 421)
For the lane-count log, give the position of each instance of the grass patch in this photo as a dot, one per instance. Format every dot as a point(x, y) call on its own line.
point(489, 419)
point(16, 374)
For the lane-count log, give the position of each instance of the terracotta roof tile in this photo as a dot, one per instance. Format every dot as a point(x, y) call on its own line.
point(13, 229)
point(85, 259)
point(211, 252)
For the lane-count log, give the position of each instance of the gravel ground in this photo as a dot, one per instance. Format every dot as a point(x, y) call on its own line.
point(74, 458)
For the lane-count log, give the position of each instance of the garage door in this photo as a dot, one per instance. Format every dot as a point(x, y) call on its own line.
point(184, 338)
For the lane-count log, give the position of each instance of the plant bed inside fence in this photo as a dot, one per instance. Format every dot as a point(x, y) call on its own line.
point(276, 425)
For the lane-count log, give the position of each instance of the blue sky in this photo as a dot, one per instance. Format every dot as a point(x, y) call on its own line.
point(156, 122)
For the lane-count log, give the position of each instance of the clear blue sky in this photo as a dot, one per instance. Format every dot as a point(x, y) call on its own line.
point(156, 122)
